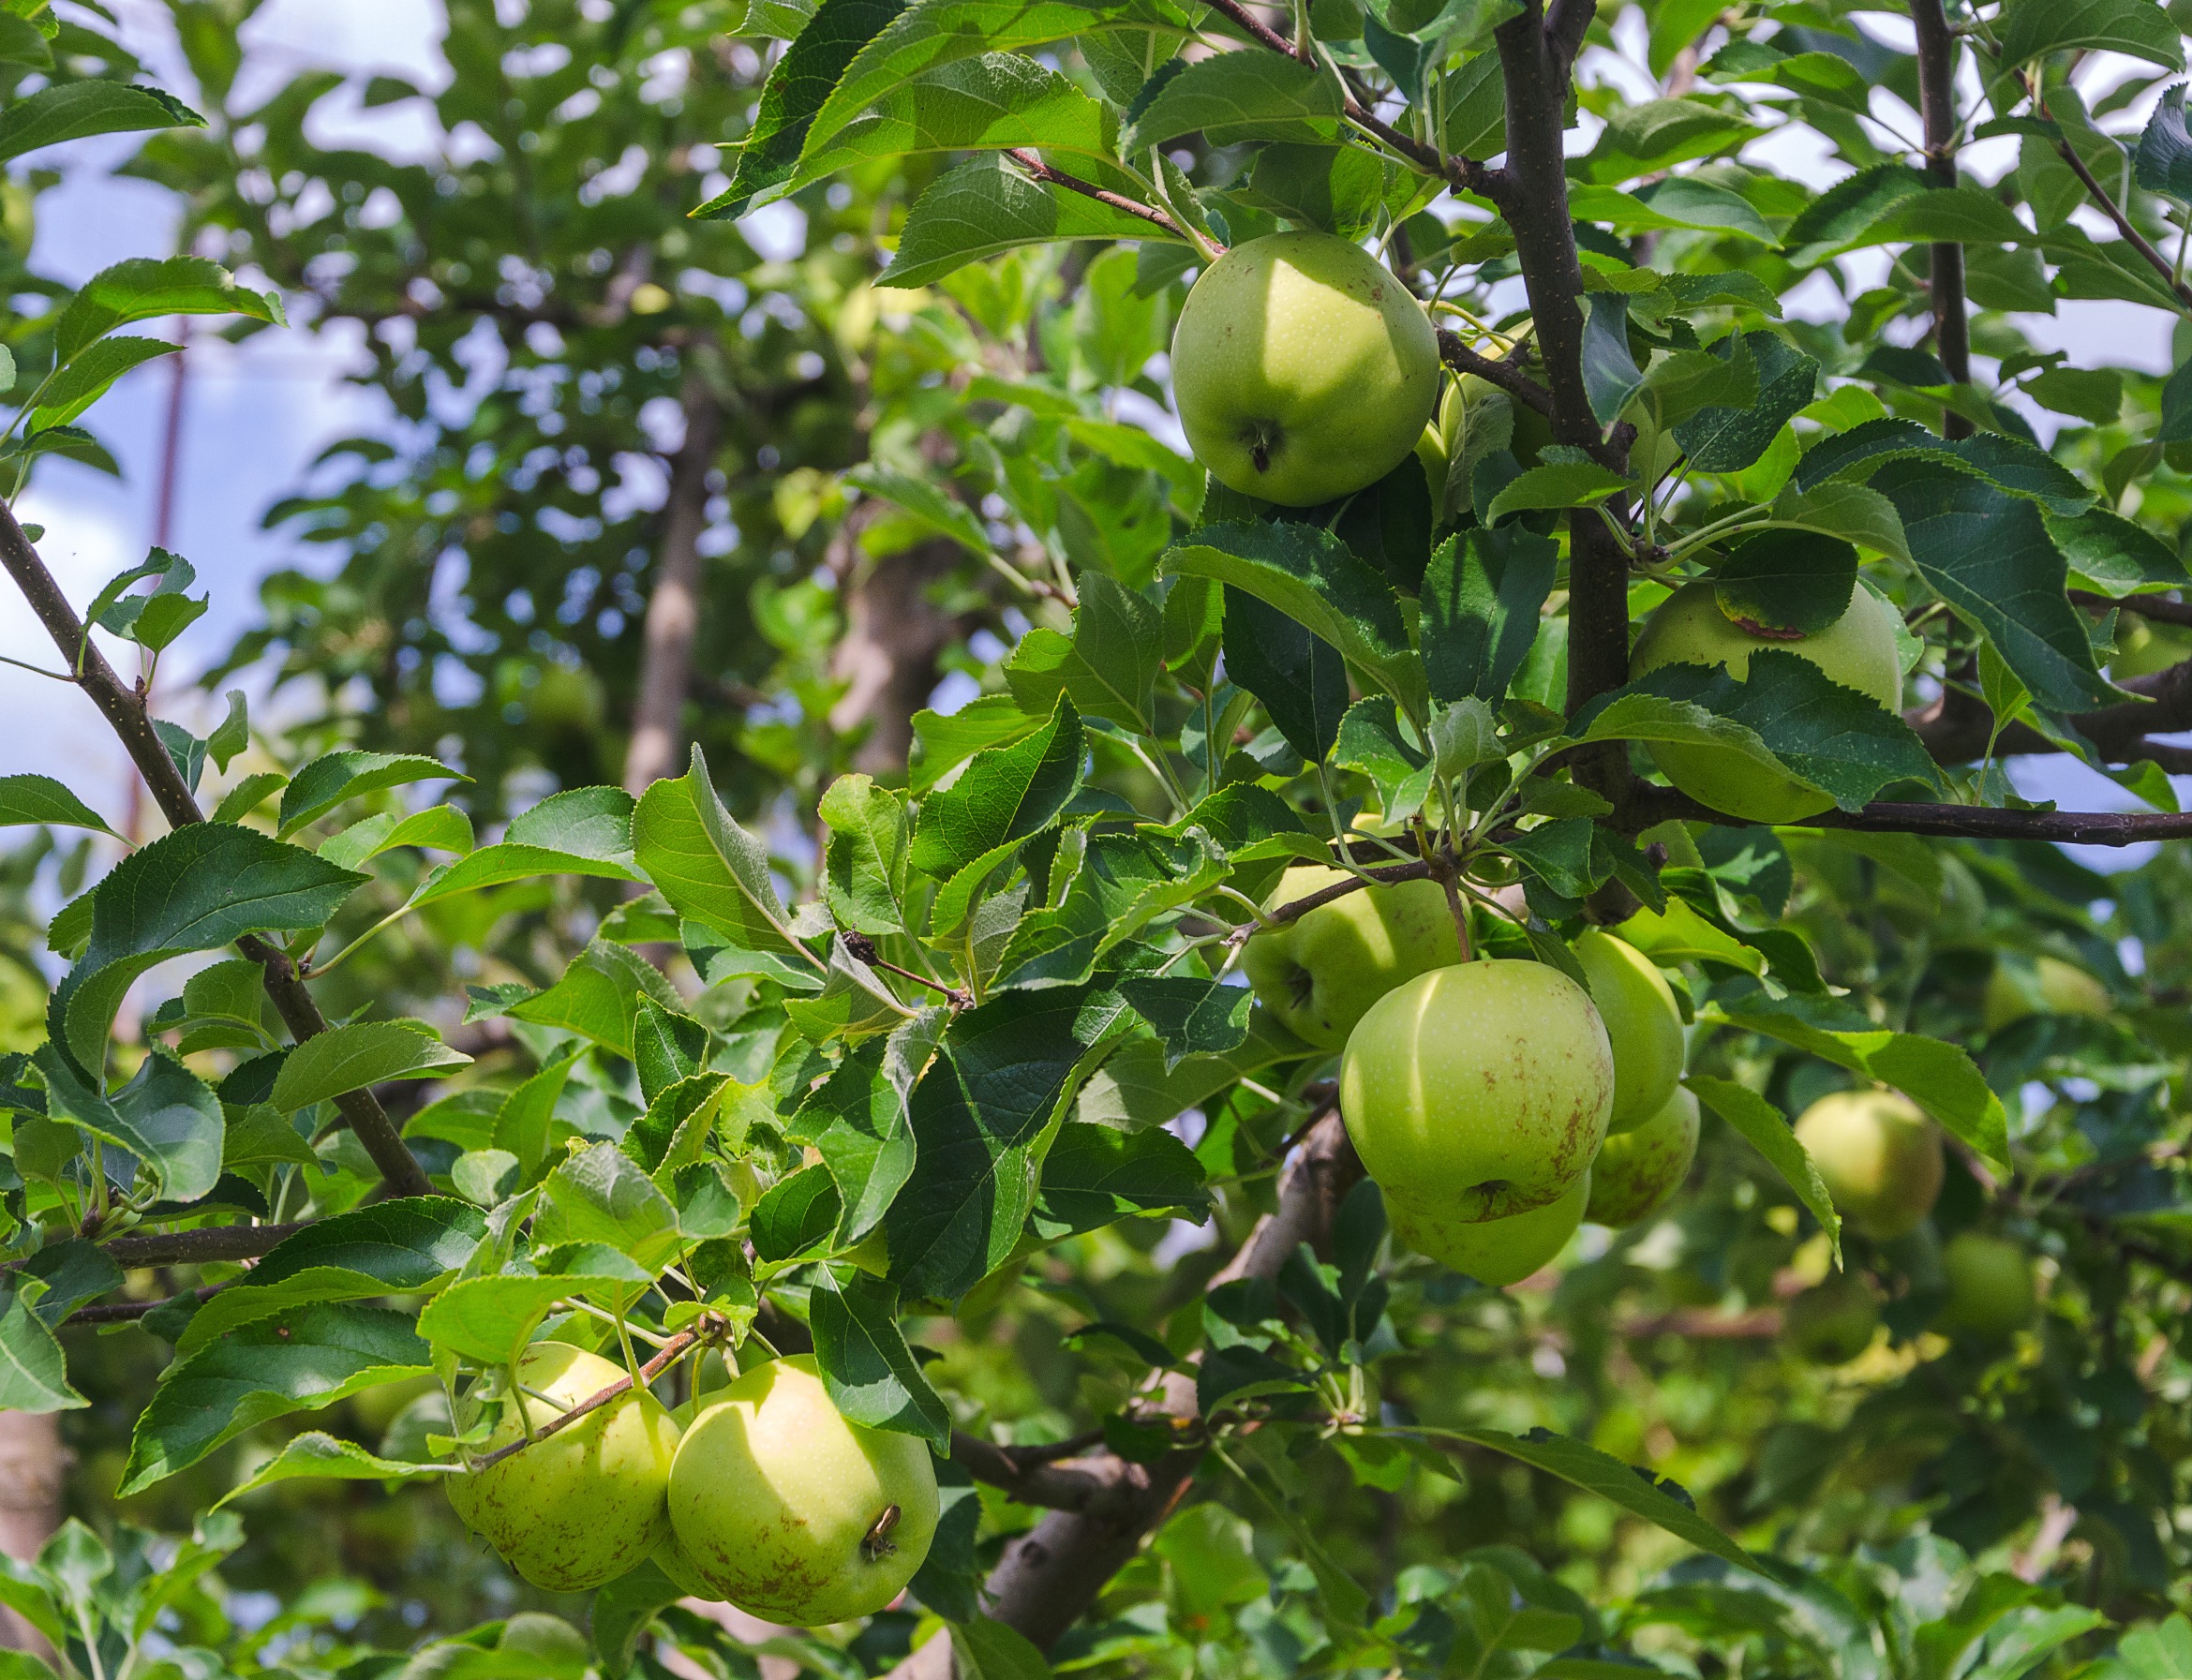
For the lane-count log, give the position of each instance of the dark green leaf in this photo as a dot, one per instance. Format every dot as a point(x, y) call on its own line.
point(76, 110)
point(2029, 28)
point(1233, 96)
point(34, 1373)
point(83, 381)
point(31, 799)
point(302, 1360)
point(856, 1120)
point(1094, 1175)
point(986, 206)
point(147, 288)
point(871, 1375)
point(1610, 374)
point(355, 1057)
point(797, 1215)
point(1731, 440)
point(2164, 158)
point(1109, 666)
point(1005, 794)
point(1124, 882)
point(864, 863)
point(1300, 677)
point(708, 868)
point(2008, 463)
point(666, 1047)
point(328, 782)
point(1786, 583)
point(1194, 1017)
point(1482, 596)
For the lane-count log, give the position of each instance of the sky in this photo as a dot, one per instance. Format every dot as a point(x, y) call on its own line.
point(257, 414)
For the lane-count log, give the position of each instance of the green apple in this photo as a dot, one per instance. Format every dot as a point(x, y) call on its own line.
point(1879, 1158)
point(1832, 1322)
point(584, 1505)
point(2050, 987)
point(1497, 1252)
point(1318, 973)
point(1639, 1168)
point(2144, 649)
point(1637, 1006)
point(1302, 368)
point(1990, 1288)
point(1857, 650)
point(791, 1511)
point(1479, 1091)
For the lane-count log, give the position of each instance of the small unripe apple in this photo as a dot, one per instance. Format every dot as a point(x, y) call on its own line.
point(2053, 986)
point(1832, 1322)
point(1304, 370)
point(1497, 1252)
point(1639, 1168)
point(584, 1505)
point(1645, 1027)
point(1857, 650)
point(1479, 1091)
point(1879, 1158)
point(791, 1511)
point(1318, 973)
point(1990, 1288)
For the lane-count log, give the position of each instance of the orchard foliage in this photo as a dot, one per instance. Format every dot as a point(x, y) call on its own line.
point(929, 1064)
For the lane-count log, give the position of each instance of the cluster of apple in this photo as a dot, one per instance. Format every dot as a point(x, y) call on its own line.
point(1880, 1158)
point(1497, 1103)
point(763, 1496)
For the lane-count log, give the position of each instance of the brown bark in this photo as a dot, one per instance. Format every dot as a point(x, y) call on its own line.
point(33, 1463)
point(672, 611)
point(894, 635)
point(1937, 52)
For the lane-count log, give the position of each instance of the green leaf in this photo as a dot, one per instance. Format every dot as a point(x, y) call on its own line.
point(384, 1248)
point(979, 1116)
point(1768, 1131)
point(232, 734)
point(302, 1360)
point(708, 868)
point(980, 104)
point(926, 501)
point(1634, 1490)
point(945, 740)
point(1854, 513)
point(153, 621)
point(1557, 485)
point(322, 1457)
point(247, 796)
point(938, 32)
point(601, 1194)
point(83, 381)
point(1125, 883)
point(2008, 463)
point(1335, 188)
point(857, 1121)
point(1990, 557)
point(2139, 28)
point(34, 1373)
point(507, 861)
point(871, 1375)
point(1611, 378)
point(26, 799)
point(77, 109)
point(1108, 665)
point(1313, 578)
point(2095, 395)
point(147, 288)
point(1729, 439)
point(1482, 596)
point(524, 1124)
point(667, 1046)
point(2106, 552)
point(1786, 585)
point(1192, 1016)
point(355, 1057)
point(1095, 1176)
point(1789, 716)
point(72, 1272)
point(329, 780)
point(1233, 96)
point(1841, 213)
point(2164, 159)
point(1370, 741)
point(984, 207)
point(1677, 202)
point(799, 1216)
point(864, 862)
point(1300, 677)
point(796, 89)
point(675, 1129)
point(490, 1319)
point(1005, 794)
point(986, 1650)
point(598, 996)
point(165, 1116)
point(1940, 1078)
point(438, 829)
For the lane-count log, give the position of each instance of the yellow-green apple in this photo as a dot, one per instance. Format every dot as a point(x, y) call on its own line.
point(1318, 973)
point(1637, 1006)
point(1879, 1158)
point(582, 1505)
point(2050, 987)
point(1638, 1169)
point(791, 1511)
point(1303, 369)
point(1990, 1288)
point(1858, 650)
point(1477, 1091)
point(2143, 649)
point(1832, 1322)
point(1497, 1252)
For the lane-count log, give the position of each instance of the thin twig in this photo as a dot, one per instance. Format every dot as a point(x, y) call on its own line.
point(1497, 371)
point(1042, 172)
point(673, 1350)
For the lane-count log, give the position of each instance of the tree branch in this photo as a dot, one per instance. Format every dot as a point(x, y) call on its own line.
point(1095, 1486)
point(2114, 212)
point(1649, 804)
point(124, 709)
point(1501, 372)
point(1937, 105)
point(196, 1247)
point(1040, 170)
point(1049, 1577)
point(673, 1350)
point(2161, 609)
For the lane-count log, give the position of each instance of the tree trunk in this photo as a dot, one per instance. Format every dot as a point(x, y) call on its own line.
point(672, 611)
point(887, 659)
point(32, 1464)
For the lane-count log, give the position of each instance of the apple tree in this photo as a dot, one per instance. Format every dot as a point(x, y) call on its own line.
point(1458, 1054)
